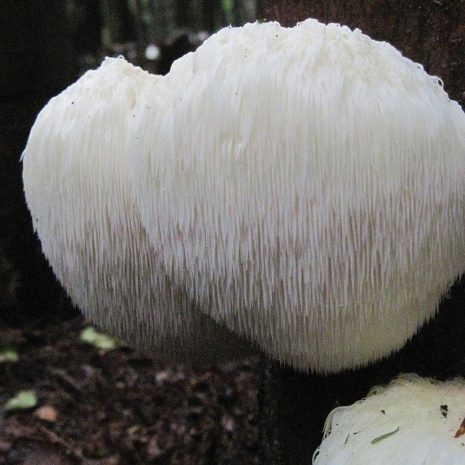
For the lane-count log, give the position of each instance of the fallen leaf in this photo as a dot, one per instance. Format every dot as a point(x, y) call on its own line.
point(153, 450)
point(461, 430)
point(21, 401)
point(46, 413)
point(7, 354)
point(98, 340)
point(133, 429)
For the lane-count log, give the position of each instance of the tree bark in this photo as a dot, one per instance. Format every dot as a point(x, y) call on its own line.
point(182, 13)
point(293, 405)
point(35, 63)
point(121, 24)
point(127, 31)
point(208, 15)
point(89, 22)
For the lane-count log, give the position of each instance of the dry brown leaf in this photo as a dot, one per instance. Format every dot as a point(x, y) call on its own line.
point(461, 430)
point(46, 413)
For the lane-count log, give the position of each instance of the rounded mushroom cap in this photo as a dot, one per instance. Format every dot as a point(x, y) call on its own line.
point(411, 421)
point(80, 193)
point(306, 186)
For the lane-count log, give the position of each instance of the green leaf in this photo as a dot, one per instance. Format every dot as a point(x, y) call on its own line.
point(21, 401)
point(98, 340)
point(133, 429)
point(7, 354)
point(384, 436)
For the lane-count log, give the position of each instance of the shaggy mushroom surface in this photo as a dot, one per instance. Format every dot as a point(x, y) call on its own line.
point(81, 196)
point(305, 186)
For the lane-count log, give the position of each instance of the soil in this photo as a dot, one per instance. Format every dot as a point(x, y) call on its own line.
point(119, 407)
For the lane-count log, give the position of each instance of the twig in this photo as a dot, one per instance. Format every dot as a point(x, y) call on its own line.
point(461, 430)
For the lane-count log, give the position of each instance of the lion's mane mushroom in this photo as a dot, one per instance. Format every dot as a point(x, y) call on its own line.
point(306, 186)
point(411, 421)
point(80, 194)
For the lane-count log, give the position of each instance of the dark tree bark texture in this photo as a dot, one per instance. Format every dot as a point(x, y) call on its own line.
point(35, 63)
point(127, 31)
point(122, 24)
point(294, 405)
point(208, 15)
point(182, 13)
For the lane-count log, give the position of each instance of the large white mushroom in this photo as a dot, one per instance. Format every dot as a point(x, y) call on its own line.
point(306, 187)
point(411, 421)
point(302, 186)
point(81, 198)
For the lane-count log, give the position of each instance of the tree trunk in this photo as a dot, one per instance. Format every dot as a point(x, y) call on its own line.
point(88, 27)
point(208, 15)
point(35, 63)
point(120, 21)
point(127, 31)
point(182, 13)
point(293, 405)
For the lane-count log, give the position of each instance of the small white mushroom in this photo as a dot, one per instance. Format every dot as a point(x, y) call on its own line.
point(411, 421)
point(80, 193)
point(306, 187)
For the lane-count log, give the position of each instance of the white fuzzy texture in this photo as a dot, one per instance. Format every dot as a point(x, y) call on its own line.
point(306, 186)
point(423, 433)
point(79, 191)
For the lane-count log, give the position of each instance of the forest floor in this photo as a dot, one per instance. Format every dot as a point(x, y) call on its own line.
point(117, 407)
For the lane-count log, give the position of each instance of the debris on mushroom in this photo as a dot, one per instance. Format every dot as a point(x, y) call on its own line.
point(412, 431)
